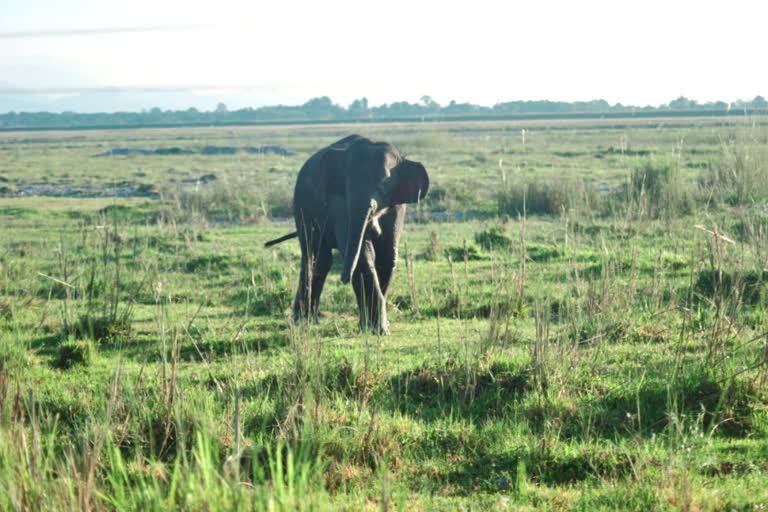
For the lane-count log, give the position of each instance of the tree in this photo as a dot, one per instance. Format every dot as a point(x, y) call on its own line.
point(221, 107)
point(759, 102)
point(322, 102)
point(682, 103)
point(429, 103)
point(322, 108)
point(358, 107)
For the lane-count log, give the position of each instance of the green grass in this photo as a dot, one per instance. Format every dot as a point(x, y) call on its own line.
point(579, 323)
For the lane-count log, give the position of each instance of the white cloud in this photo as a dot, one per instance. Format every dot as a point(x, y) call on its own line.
point(484, 52)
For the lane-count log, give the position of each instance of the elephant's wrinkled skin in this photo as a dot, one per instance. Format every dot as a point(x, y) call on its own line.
point(351, 196)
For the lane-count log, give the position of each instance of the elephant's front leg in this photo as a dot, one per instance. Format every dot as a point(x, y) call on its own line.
point(386, 254)
point(370, 300)
point(385, 267)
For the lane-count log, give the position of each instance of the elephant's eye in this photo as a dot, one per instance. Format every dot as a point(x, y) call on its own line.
point(384, 187)
point(383, 192)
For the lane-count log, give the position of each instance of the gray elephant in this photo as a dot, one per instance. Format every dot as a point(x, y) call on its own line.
point(351, 196)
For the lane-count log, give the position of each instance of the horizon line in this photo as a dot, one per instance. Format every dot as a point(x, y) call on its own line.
point(75, 32)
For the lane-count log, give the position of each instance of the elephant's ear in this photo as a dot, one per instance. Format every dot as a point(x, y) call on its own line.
point(333, 179)
point(410, 182)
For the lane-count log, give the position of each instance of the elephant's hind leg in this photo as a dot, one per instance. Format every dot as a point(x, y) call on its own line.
point(323, 260)
point(315, 263)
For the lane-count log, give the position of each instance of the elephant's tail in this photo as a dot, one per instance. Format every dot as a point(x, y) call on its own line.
point(281, 239)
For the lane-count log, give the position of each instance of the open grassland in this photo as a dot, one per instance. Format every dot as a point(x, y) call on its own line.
point(579, 322)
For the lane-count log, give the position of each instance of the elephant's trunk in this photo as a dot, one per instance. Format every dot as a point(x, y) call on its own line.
point(355, 234)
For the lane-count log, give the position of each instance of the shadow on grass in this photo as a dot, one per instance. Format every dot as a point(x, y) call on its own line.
point(750, 286)
point(431, 393)
point(47, 345)
point(698, 401)
point(494, 472)
point(501, 390)
point(150, 350)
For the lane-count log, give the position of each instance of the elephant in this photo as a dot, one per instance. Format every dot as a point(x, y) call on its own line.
point(351, 196)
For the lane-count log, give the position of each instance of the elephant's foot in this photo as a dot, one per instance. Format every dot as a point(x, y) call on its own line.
point(375, 328)
point(300, 317)
point(384, 328)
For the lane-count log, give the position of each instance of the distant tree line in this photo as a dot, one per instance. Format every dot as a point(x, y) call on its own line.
point(324, 109)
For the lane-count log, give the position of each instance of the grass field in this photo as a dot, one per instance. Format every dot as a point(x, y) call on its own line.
point(579, 322)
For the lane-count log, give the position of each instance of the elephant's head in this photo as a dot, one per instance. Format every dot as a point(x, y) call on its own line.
point(376, 178)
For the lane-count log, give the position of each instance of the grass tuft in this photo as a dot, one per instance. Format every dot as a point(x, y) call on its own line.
point(73, 353)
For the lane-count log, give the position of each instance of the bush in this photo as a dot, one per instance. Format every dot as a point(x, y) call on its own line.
point(753, 227)
point(207, 263)
point(541, 253)
point(6, 309)
point(230, 200)
point(270, 301)
point(266, 294)
point(452, 196)
point(546, 197)
point(74, 353)
point(739, 177)
point(99, 328)
point(533, 197)
point(493, 238)
point(457, 253)
point(749, 285)
point(656, 190)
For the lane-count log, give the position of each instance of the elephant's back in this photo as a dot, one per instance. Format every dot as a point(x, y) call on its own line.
point(306, 197)
point(318, 178)
point(322, 175)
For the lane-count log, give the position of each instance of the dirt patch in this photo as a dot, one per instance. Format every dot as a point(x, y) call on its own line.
point(141, 151)
point(230, 150)
point(601, 153)
point(121, 189)
point(202, 180)
point(206, 150)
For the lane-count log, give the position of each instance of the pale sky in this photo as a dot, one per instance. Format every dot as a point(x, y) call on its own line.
point(639, 52)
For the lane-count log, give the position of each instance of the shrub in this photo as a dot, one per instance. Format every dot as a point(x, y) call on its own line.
point(752, 227)
point(533, 197)
point(74, 353)
point(493, 238)
point(541, 253)
point(656, 190)
point(269, 301)
point(739, 177)
point(6, 309)
point(267, 293)
point(457, 253)
point(749, 285)
point(230, 200)
point(99, 328)
point(452, 196)
point(551, 197)
point(207, 263)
